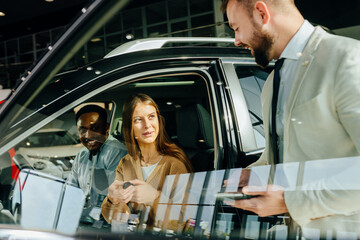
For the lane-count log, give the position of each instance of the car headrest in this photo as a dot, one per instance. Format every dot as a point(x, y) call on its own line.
point(118, 134)
point(194, 127)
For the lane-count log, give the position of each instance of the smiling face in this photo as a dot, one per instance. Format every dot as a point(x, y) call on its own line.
point(248, 33)
point(145, 124)
point(92, 130)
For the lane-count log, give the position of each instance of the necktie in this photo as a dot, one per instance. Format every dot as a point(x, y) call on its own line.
point(276, 84)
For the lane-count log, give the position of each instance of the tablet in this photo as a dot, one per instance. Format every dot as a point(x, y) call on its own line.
point(233, 196)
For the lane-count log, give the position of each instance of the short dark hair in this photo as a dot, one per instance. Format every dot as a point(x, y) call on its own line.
point(248, 4)
point(90, 109)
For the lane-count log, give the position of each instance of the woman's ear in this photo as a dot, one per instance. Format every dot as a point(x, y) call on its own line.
point(261, 12)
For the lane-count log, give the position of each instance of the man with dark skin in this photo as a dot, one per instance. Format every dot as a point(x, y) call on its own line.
point(317, 115)
point(102, 153)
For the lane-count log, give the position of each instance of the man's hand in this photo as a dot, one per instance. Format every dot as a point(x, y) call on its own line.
point(268, 203)
point(239, 178)
point(116, 193)
point(144, 192)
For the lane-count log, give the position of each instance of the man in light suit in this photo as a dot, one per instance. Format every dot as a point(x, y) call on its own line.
point(317, 115)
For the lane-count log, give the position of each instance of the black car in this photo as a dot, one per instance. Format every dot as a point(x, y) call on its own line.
point(208, 94)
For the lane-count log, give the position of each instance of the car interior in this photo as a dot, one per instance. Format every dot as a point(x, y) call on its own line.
point(184, 103)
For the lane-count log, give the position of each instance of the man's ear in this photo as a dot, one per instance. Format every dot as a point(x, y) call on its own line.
point(261, 12)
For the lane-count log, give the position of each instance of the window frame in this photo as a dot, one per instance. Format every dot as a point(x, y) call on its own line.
point(30, 129)
point(245, 130)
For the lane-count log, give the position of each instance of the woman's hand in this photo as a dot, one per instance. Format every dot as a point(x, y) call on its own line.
point(144, 192)
point(116, 193)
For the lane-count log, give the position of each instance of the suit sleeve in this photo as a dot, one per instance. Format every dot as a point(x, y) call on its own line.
point(347, 93)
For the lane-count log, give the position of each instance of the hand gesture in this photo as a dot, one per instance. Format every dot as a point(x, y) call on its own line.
point(116, 193)
point(144, 192)
point(266, 203)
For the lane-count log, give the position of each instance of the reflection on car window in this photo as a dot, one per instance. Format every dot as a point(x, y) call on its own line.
point(49, 138)
point(53, 148)
point(182, 99)
point(200, 205)
point(252, 80)
point(37, 194)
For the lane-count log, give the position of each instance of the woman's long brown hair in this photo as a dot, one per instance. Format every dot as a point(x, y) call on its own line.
point(163, 143)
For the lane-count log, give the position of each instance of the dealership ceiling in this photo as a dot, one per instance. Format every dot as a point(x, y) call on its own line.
point(24, 17)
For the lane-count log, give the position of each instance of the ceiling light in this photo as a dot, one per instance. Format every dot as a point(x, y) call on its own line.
point(49, 0)
point(96, 40)
point(129, 36)
point(2, 14)
point(159, 84)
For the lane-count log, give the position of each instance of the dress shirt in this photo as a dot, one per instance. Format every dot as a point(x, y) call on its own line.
point(292, 54)
point(107, 159)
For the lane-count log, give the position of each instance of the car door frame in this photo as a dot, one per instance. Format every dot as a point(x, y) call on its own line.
point(244, 126)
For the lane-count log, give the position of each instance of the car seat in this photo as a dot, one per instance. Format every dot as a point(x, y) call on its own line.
point(195, 136)
point(118, 131)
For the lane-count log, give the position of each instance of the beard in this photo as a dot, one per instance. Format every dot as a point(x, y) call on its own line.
point(262, 43)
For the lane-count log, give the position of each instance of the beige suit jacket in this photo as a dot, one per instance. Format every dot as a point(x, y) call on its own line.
point(322, 121)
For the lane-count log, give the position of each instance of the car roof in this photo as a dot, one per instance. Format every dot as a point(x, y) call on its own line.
point(179, 55)
point(154, 43)
point(46, 130)
point(94, 72)
point(171, 53)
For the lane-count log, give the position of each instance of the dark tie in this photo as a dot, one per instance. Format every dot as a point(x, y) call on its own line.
point(276, 83)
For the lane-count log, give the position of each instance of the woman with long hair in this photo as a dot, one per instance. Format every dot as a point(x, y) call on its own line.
point(151, 156)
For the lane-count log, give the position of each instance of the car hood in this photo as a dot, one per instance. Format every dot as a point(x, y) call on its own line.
point(56, 151)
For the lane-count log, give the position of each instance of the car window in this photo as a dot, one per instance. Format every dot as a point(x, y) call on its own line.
point(49, 138)
point(183, 98)
point(252, 80)
point(52, 149)
point(199, 117)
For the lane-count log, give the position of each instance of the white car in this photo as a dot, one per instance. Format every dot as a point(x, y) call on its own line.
point(51, 151)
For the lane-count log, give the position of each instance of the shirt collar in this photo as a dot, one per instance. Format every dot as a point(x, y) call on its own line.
point(109, 138)
point(294, 48)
